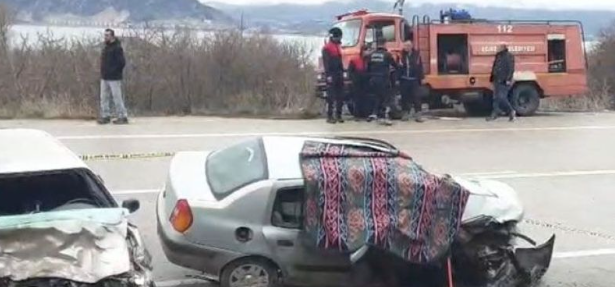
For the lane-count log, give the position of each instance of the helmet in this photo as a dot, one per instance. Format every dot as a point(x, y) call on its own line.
point(335, 32)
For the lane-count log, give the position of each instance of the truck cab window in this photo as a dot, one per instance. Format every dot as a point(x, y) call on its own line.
point(288, 208)
point(377, 29)
point(407, 33)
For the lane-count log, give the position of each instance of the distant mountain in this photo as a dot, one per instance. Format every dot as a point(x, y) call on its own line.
point(316, 18)
point(117, 10)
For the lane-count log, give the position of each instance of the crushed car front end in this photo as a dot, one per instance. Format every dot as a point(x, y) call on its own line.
point(87, 247)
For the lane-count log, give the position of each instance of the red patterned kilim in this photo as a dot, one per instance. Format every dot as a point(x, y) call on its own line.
point(379, 201)
point(332, 203)
point(394, 205)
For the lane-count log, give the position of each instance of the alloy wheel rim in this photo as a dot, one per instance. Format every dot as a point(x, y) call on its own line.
point(249, 275)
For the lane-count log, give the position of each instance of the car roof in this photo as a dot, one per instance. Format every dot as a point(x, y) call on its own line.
point(283, 152)
point(27, 150)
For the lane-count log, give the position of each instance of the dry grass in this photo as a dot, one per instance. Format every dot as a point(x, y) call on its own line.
point(168, 73)
point(178, 74)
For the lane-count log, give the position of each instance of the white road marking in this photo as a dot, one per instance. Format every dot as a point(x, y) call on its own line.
point(550, 174)
point(136, 191)
point(316, 133)
point(180, 282)
point(586, 253)
point(491, 173)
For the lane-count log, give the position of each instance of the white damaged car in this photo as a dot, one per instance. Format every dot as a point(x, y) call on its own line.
point(59, 226)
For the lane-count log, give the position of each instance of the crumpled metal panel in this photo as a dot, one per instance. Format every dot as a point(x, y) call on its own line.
point(85, 245)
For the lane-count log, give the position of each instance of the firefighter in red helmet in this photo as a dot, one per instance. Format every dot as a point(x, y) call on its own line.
point(334, 72)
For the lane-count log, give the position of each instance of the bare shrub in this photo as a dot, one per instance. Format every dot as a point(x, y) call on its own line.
point(168, 72)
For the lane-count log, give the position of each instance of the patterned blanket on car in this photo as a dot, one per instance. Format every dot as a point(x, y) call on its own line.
point(357, 196)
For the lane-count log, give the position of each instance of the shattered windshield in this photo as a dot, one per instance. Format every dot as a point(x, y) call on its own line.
point(236, 166)
point(351, 30)
point(50, 191)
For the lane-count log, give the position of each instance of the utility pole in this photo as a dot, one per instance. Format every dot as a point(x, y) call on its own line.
point(242, 25)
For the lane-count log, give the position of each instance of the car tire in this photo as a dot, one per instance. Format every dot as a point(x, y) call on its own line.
point(259, 271)
point(525, 99)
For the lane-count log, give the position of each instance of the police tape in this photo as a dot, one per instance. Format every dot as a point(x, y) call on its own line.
point(125, 156)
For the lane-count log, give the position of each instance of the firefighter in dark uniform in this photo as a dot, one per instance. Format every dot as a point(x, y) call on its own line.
point(357, 71)
point(411, 76)
point(502, 80)
point(334, 73)
point(379, 66)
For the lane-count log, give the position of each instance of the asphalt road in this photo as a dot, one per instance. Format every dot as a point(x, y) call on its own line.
point(563, 166)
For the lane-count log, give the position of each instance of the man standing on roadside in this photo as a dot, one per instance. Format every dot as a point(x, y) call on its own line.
point(502, 79)
point(411, 75)
point(111, 69)
point(334, 73)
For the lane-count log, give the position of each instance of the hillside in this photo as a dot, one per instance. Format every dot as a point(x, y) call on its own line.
point(116, 10)
point(316, 18)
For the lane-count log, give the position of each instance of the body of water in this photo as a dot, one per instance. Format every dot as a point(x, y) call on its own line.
point(30, 34)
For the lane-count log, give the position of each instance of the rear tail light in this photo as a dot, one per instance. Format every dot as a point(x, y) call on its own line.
point(181, 218)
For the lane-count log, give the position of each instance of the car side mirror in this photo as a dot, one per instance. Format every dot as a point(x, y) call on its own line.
point(132, 205)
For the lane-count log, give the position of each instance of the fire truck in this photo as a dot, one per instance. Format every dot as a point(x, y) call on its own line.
point(458, 55)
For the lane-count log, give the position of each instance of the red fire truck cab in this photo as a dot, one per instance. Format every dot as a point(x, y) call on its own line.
point(458, 56)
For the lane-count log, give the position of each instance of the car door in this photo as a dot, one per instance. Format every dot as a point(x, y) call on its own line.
point(301, 262)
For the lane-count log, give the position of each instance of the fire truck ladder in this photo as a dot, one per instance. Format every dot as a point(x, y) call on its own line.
point(422, 31)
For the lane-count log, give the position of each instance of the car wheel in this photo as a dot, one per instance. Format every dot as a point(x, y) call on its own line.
point(525, 99)
point(250, 272)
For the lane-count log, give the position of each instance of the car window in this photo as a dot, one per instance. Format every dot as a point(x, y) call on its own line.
point(236, 166)
point(351, 30)
point(385, 29)
point(288, 208)
point(50, 191)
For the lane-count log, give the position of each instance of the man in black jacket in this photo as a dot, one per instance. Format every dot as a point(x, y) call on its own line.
point(502, 79)
point(379, 66)
point(112, 65)
point(410, 77)
point(334, 73)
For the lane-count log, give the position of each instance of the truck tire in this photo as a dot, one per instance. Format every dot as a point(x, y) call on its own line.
point(478, 108)
point(525, 99)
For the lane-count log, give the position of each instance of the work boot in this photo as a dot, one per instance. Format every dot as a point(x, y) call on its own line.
point(513, 116)
point(385, 122)
point(331, 120)
point(419, 118)
point(121, 121)
point(405, 117)
point(493, 117)
point(340, 120)
point(103, 121)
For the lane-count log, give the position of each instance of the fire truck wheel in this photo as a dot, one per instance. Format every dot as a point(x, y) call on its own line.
point(525, 99)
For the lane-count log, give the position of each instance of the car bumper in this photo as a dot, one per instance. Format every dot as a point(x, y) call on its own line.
point(184, 253)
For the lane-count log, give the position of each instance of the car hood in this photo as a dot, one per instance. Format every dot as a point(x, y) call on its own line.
point(490, 198)
point(79, 245)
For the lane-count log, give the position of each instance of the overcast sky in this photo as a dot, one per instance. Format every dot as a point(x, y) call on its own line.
point(550, 4)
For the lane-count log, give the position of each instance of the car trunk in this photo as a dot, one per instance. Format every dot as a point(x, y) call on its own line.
point(187, 180)
point(86, 245)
